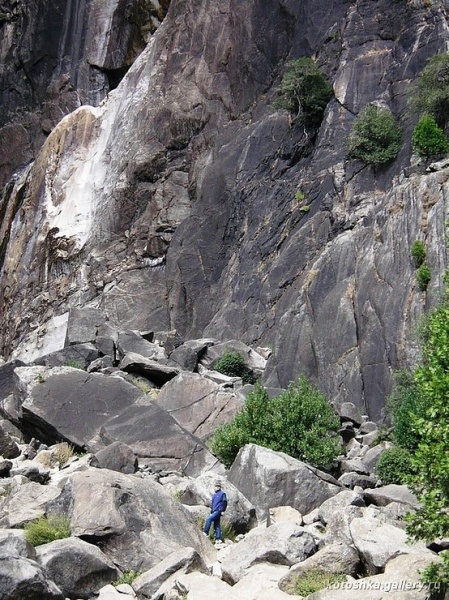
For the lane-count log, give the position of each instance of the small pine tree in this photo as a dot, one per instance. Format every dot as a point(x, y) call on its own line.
point(428, 139)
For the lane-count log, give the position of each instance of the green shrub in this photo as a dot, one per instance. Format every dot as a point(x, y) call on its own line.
point(233, 364)
point(72, 362)
point(423, 276)
point(394, 466)
point(299, 422)
point(126, 578)
point(304, 90)
point(429, 95)
point(375, 136)
point(405, 403)
point(46, 530)
point(315, 580)
point(418, 253)
point(428, 139)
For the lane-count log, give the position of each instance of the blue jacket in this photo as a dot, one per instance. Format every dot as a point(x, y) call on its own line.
point(219, 501)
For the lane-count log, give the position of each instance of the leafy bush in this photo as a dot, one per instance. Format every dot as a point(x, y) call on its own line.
point(299, 422)
point(423, 276)
point(315, 580)
point(46, 530)
point(72, 362)
point(418, 253)
point(394, 465)
point(304, 90)
point(126, 578)
point(428, 139)
point(430, 93)
point(375, 137)
point(233, 364)
point(405, 404)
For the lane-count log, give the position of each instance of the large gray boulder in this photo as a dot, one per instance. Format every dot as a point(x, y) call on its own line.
point(26, 502)
point(78, 568)
point(8, 447)
point(157, 372)
point(14, 543)
point(132, 342)
point(199, 405)
point(379, 542)
point(185, 560)
point(136, 521)
point(117, 457)
point(22, 578)
point(382, 496)
point(338, 503)
point(269, 478)
point(281, 544)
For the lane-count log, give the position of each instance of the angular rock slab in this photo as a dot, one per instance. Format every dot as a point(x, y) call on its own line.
point(269, 478)
point(79, 569)
point(280, 544)
point(377, 543)
point(137, 522)
point(14, 543)
point(198, 404)
point(25, 503)
point(22, 578)
point(70, 404)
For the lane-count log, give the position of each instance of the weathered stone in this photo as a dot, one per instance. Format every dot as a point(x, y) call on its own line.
point(117, 457)
point(353, 479)
point(348, 411)
point(353, 465)
point(262, 579)
point(334, 558)
point(184, 560)
point(25, 503)
point(14, 543)
point(282, 543)
point(21, 577)
point(252, 359)
point(83, 325)
point(382, 496)
point(5, 468)
point(185, 357)
point(156, 372)
point(7, 377)
point(78, 568)
point(79, 356)
point(198, 404)
point(32, 470)
point(337, 503)
point(284, 514)
point(131, 342)
point(269, 478)
point(137, 521)
point(8, 447)
point(371, 458)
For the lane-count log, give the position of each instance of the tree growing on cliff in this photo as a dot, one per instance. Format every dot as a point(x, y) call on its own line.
point(375, 137)
point(299, 422)
point(304, 90)
point(428, 139)
point(429, 95)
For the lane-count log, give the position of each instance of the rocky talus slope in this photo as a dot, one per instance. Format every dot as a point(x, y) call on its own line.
point(117, 450)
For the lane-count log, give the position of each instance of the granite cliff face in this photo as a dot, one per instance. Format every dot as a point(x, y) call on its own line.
point(169, 202)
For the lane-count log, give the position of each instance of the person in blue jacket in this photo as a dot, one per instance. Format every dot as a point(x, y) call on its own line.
point(219, 504)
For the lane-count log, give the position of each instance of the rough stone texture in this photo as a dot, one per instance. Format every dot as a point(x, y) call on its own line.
point(184, 560)
point(8, 447)
point(23, 578)
point(382, 496)
point(282, 544)
point(197, 404)
point(172, 204)
point(13, 543)
point(269, 478)
point(260, 579)
point(25, 503)
point(337, 503)
point(333, 558)
point(137, 522)
point(79, 569)
point(117, 457)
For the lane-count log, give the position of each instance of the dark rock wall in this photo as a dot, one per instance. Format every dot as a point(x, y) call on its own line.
point(172, 205)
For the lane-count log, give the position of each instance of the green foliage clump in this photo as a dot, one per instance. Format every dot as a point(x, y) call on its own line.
point(404, 404)
point(428, 139)
point(418, 252)
point(430, 93)
point(72, 362)
point(315, 580)
point(394, 465)
point(299, 422)
point(233, 364)
point(126, 578)
point(423, 276)
point(46, 530)
point(304, 90)
point(375, 136)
